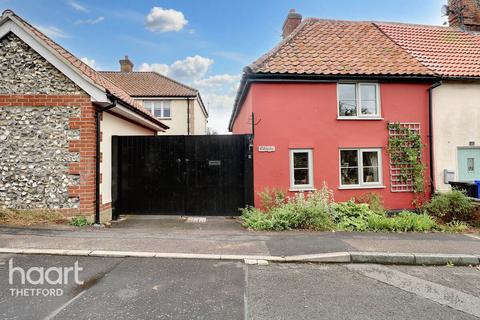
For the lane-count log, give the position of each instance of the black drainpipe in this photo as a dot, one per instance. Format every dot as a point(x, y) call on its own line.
point(98, 111)
point(188, 116)
point(430, 134)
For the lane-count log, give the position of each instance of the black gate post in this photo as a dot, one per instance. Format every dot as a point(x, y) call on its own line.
point(115, 177)
point(248, 171)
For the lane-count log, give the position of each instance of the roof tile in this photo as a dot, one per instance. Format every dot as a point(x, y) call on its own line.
point(448, 52)
point(332, 47)
point(149, 84)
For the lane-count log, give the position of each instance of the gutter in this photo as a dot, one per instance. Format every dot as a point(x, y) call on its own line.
point(430, 134)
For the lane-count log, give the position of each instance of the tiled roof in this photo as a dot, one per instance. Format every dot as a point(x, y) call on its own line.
point(446, 51)
point(332, 47)
point(149, 84)
point(86, 70)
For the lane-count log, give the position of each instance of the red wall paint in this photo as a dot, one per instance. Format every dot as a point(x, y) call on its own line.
point(305, 116)
point(243, 122)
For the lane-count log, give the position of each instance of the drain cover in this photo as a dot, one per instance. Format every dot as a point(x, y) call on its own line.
point(196, 220)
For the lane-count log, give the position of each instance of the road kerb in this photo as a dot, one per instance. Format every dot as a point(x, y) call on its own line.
point(332, 257)
point(446, 259)
point(383, 257)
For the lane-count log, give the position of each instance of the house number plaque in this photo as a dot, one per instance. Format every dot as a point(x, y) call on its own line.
point(266, 149)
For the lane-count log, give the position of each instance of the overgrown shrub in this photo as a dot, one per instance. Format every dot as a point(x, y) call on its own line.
point(302, 211)
point(317, 211)
point(451, 206)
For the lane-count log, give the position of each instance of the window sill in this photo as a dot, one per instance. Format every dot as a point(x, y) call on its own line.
point(306, 189)
point(361, 187)
point(159, 118)
point(361, 118)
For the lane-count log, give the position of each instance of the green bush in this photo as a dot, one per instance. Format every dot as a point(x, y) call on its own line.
point(310, 211)
point(79, 221)
point(317, 211)
point(351, 216)
point(451, 206)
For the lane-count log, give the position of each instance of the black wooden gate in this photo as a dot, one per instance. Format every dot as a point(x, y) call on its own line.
point(188, 175)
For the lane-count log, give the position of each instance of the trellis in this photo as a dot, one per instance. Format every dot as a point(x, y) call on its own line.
point(401, 173)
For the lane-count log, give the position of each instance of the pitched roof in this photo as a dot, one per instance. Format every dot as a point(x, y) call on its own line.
point(449, 52)
point(333, 47)
point(84, 69)
point(149, 84)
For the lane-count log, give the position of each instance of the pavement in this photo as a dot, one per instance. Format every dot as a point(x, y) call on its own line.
point(225, 236)
point(142, 288)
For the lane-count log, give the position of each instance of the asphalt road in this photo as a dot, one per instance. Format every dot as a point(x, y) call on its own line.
point(131, 288)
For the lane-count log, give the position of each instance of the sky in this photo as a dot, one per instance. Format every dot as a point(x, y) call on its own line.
point(202, 43)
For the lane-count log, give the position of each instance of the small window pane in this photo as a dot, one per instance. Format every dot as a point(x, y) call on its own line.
point(157, 109)
point(368, 107)
point(300, 160)
point(349, 176)
point(347, 91)
point(300, 176)
point(470, 164)
point(370, 159)
point(347, 97)
point(370, 175)
point(368, 92)
point(166, 109)
point(348, 108)
point(349, 158)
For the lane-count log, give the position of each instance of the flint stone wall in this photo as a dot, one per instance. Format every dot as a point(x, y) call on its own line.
point(34, 157)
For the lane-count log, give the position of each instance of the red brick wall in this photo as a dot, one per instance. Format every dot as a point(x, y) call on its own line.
point(85, 146)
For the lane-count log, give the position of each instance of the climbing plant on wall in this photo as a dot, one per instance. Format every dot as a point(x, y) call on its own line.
point(405, 149)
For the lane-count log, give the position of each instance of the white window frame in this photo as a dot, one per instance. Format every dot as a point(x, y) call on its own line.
point(162, 107)
point(361, 184)
point(358, 99)
point(301, 187)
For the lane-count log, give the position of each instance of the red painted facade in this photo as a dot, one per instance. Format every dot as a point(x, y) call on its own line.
point(304, 115)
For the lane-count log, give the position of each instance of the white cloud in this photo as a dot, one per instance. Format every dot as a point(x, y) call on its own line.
point(157, 67)
point(90, 62)
point(188, 70)
point(77, 6)
point(165, 20)
point(90, 21)
point(220, 84)
point(52, 32)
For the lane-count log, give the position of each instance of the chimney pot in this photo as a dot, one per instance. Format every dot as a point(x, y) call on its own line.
point(126, 65)
point(292, 21)
point(464, 14)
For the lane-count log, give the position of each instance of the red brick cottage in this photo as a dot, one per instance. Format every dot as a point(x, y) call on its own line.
point(57, 117)
point(319, 105)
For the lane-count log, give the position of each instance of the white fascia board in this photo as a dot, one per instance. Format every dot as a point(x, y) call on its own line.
point(161, 98)
point(96, 92)
point(129, 114)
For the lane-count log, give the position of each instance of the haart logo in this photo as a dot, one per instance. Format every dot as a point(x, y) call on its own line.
point(40, 276)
